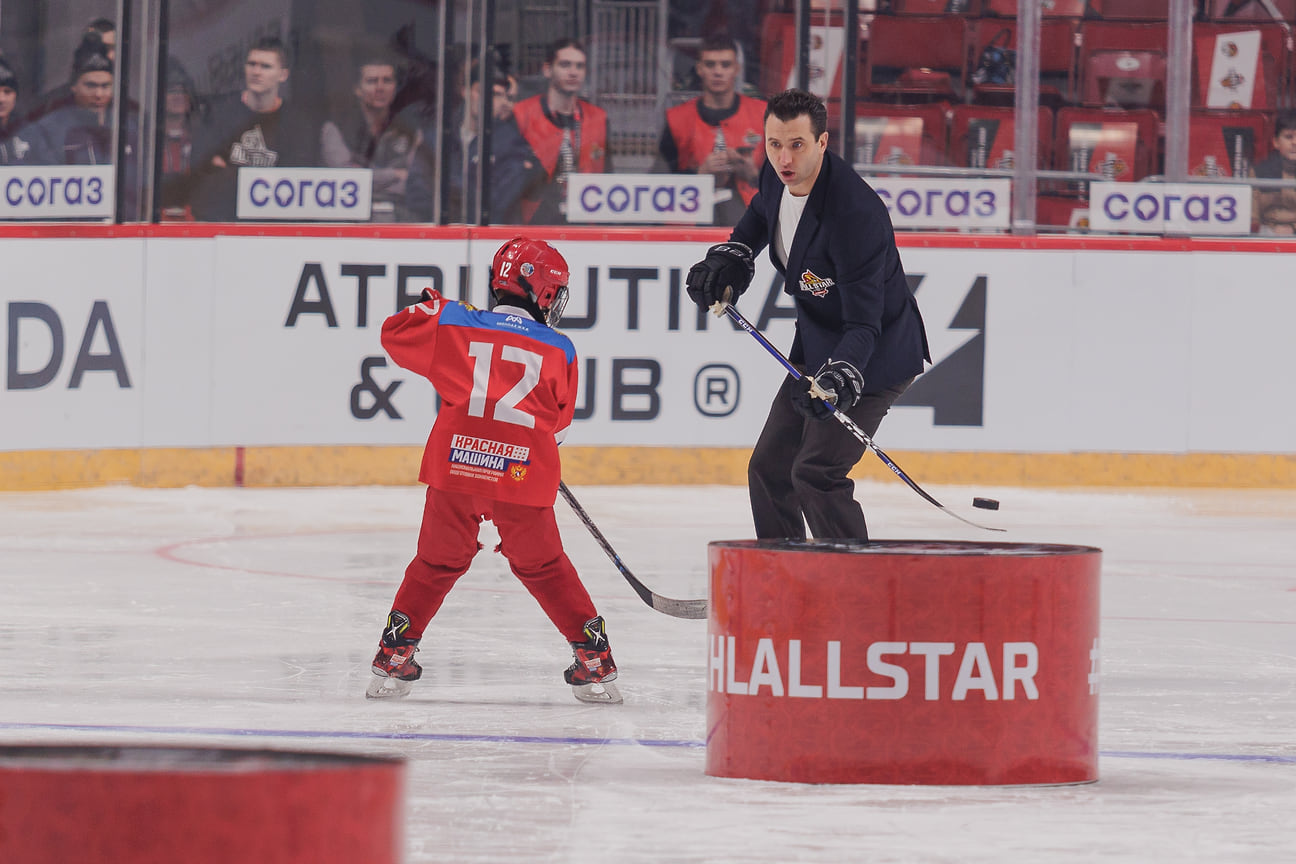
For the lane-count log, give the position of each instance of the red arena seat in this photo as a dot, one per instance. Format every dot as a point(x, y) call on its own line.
point(901, 134)
point(915, 58)
point(981, 136)
point(1057, 61)
point(1240, 65)
point(1122, 65)
point(1121, 145)
point(1227, 143)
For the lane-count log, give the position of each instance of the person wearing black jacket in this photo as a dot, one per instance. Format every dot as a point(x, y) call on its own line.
point(98, 37)
point(80, 132)
point(514, 168)
point(859, 333)
point(254, 128)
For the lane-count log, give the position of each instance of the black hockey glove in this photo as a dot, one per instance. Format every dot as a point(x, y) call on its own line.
point(722, 276)
point(840, 381)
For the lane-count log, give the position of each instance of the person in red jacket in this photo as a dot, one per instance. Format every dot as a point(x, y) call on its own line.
point(568, 134)
point(719, 133)
point(508, 387)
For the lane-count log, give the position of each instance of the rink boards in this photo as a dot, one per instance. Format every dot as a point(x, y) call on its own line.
point(166, 356)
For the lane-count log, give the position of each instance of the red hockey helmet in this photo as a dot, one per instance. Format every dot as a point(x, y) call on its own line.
point(534, 270)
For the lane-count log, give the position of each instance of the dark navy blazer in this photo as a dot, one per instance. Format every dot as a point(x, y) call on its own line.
point(852, 299)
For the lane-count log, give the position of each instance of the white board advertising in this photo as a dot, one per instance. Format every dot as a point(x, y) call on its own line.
point(297, 356)
point(641, 198)
point(1027, 347)
point(945, 202)
point(180, 295)
point(232, 341)
point(1242, 352)
point(73, 343)
point(57, 192)
point(305, 194)
point(1170, 208)
point(1000, 348)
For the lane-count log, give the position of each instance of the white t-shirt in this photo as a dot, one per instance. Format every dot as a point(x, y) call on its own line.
point(790, 210)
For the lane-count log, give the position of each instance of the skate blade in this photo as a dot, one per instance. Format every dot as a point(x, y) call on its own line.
point(383, 687)
point(605, 693)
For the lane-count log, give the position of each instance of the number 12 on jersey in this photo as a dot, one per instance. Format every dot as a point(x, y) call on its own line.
point(506, 410)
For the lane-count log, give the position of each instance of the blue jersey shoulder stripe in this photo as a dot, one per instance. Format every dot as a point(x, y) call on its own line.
point(459, 315)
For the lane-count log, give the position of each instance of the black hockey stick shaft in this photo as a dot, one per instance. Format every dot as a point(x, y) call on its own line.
point(674, 608)
point(853, 427)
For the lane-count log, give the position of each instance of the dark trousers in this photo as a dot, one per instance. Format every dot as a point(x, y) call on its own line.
point(797, 473)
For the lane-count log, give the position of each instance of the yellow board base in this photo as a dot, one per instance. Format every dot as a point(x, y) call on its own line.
point(599, 466)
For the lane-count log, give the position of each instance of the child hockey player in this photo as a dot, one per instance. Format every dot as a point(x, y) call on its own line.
point(507, 383)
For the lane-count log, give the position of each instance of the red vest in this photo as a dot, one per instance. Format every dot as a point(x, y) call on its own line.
point(545, 137)
point(695, 140)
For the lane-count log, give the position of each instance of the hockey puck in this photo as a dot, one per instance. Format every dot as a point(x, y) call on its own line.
point(985, 503)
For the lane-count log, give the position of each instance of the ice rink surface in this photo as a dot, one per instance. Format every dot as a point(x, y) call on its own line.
point(248, 617)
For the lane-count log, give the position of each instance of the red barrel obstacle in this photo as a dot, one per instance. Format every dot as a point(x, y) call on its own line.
point(916, 662)
point(155, 805)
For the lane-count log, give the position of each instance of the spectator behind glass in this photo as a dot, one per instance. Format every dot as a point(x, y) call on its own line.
point(1276, 207)
point(182, 111)
point(371, 136)
point(742, 20)
point(99, 35)
point(568, 134)
point(82, 132)
point(251, 128)
point(719, 133)
point(79, 133)
point(514, 167)
point(12, 149)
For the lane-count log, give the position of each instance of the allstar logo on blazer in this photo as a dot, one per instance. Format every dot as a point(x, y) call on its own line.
point(816, 286)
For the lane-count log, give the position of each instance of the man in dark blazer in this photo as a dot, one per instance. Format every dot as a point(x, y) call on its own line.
point(859, 334)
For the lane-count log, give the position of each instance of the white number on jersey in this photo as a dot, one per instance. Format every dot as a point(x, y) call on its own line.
point(506, 410)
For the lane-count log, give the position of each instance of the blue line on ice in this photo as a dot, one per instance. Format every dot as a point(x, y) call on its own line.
point(461, 737)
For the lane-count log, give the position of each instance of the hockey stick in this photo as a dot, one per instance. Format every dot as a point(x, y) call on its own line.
point(851, 425)
point(674, 608)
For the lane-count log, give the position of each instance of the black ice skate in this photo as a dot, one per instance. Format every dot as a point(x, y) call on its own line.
point(394, 667)
point(592, 674)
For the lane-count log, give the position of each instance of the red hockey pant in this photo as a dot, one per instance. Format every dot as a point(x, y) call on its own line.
point(530, 541)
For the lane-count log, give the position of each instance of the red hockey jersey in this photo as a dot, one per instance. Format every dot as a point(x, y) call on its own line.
point(508, 387)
